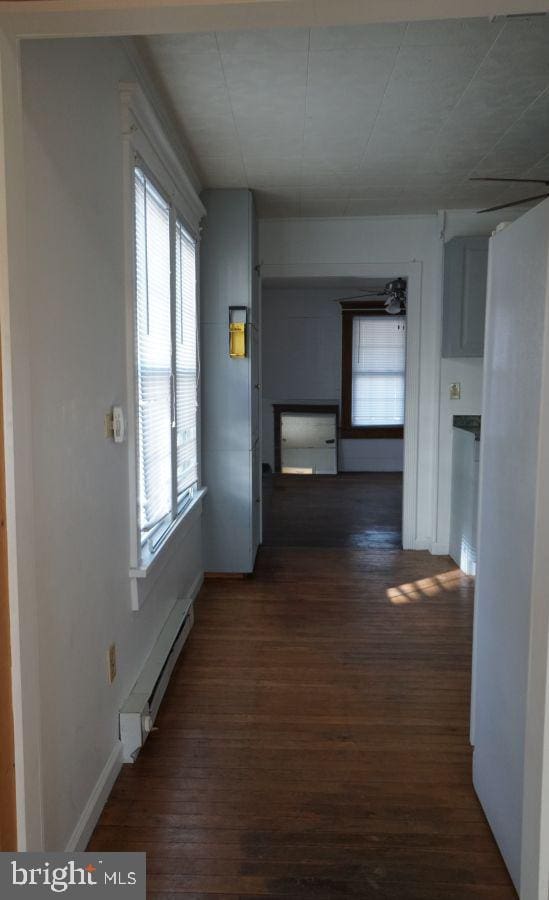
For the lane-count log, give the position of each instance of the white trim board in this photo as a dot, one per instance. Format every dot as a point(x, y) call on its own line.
point(412, 271)
point(90, 814)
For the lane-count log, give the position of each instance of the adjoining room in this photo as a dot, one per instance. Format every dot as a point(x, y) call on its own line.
point(334, 372)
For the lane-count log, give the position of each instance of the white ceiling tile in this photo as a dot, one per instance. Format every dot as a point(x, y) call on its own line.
point(320, 172)
point(525, 143)
point(214, 136)
point(431, 77)
point(324, 192)
point(386, 207)
point(275, 207)
point(175, 45)
point(540, 170)
point(223, 171)
point(350, 37)
point(323, 207)
point(274, 171)
point(343, 136)
point(453, 31)
point(357, 77)
point(265, 139)
point(243, 43)
point(268, 100)
point(255, 77)
point(523, 43)
point(370, 120)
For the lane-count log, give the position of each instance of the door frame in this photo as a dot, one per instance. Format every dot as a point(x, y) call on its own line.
point(412, 271)
point(8, 817)
point(280, 408)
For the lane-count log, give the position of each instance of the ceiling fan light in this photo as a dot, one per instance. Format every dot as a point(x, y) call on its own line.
point(393, 306)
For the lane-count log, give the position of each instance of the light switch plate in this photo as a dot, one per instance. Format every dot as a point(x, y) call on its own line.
point(455, 390)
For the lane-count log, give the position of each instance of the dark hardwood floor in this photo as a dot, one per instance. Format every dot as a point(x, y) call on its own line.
point(313, 742)
point(351, 509)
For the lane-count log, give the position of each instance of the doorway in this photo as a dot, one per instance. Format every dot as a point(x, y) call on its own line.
point(334, 371)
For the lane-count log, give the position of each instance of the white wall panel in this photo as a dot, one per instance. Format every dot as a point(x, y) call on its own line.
point(73, 157)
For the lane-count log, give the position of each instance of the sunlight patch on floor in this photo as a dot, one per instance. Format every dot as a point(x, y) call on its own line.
point(423, 588)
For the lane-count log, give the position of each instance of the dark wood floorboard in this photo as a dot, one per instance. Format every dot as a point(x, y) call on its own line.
point(313, 742)
point(352, 509)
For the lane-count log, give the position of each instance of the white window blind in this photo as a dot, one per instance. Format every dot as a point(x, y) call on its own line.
point(379, 360)
point(166, 361)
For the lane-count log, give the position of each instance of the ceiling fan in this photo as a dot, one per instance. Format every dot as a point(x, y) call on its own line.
point(394, 293)
point(515, 202)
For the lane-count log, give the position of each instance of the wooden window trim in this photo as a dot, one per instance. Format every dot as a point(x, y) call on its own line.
point(280, 408)
point(349, 311)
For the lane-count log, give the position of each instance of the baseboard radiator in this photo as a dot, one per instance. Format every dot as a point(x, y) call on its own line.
point(139, 711)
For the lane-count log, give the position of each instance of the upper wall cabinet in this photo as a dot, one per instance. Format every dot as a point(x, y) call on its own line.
point(464, 297)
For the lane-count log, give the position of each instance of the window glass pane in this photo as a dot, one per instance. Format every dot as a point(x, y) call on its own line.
point(379, 360)
point(154, 354)
point(185, 359)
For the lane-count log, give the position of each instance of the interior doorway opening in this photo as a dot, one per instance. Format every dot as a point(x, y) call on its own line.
point(333, 412)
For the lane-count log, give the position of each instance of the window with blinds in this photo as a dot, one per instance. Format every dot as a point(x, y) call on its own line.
point(166, 361)
point(378, 370)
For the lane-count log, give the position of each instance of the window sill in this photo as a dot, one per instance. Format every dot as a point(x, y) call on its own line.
point(178, 528)
point(371, 432)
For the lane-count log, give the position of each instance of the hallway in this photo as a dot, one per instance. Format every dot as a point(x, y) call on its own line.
point(313, 742)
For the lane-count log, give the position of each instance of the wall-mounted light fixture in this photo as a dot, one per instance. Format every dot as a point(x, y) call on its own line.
point(238, 319)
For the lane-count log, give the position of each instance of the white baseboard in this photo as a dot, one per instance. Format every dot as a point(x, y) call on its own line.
point(96, 801)
point(418, 544)
point(195, 587)
point(439, 548)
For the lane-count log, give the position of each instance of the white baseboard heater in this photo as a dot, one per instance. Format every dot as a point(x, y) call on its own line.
point(139, 711)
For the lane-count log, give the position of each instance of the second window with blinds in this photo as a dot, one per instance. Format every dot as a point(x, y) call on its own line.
point(166, 363)
point(373, 374)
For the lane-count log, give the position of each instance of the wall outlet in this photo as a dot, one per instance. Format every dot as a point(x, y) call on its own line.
point(455, 391)
point(111, 663)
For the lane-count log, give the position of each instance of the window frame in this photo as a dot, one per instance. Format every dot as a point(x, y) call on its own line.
point(150, 545)
point(146, 144)
point(350, 310)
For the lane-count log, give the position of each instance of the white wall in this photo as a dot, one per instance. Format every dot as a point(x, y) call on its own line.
point(73, 157)
point(468, 372)
point(328, 245)
point(511, 619)
point(301, 353)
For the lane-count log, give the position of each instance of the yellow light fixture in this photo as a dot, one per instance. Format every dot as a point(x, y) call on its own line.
point(238, 316)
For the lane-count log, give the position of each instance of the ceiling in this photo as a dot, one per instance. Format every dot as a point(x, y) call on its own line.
point(362, 120)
